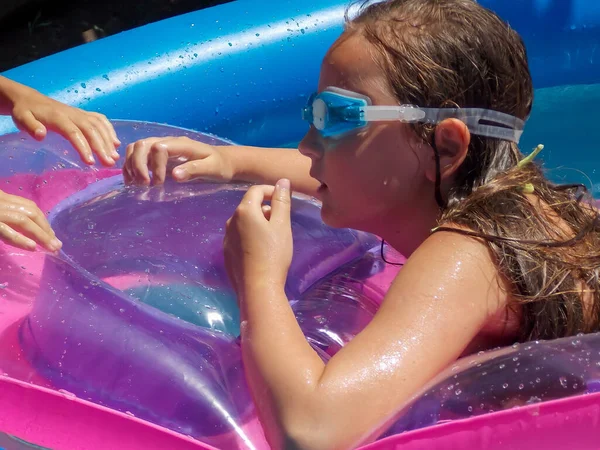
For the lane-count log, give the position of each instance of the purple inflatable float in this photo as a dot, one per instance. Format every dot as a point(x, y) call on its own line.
point(130, 334)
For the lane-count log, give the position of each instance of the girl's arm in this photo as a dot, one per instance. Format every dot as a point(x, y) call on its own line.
point(189, 159)
point(445, 294)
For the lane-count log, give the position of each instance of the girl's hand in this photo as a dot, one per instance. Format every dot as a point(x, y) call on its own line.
point(258, 239)
point(186, 158)
point(23, 225)
point(87, 131)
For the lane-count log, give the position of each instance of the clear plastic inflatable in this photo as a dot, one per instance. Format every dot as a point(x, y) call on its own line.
point(134, 320)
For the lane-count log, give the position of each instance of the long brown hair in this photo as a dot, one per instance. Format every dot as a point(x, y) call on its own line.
point(440, 53)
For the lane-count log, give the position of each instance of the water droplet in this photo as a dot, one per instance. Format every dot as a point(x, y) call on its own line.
point(521, 386)
point(470, 409)
point(563, 381)
point(83, 85)
point(98, 90)
point(121, 310)
point(502, 366)
point(105, 77)
point(505, 385)
point(230, 44)
point(67, 394)
point(129, 413)
point(457, 392)
point(534, 399)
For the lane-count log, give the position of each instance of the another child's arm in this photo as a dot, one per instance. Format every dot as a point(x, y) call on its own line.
point(189, 159)
point(23, 224)
point(35, 113)
point(448, 291)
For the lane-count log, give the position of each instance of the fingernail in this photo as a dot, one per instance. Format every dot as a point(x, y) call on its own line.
point(55, 244)
point(178, 173)
point(115, 155)
point(284, 184)
point(91, 159)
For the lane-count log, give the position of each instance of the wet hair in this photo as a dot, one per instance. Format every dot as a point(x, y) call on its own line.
point(456, 53)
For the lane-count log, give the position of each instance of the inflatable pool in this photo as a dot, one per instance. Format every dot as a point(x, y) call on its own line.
point(128, 337)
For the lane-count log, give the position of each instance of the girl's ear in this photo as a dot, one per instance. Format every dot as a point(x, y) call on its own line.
point(452, 139)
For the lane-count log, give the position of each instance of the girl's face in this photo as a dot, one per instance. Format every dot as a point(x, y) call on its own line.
point(373, 177)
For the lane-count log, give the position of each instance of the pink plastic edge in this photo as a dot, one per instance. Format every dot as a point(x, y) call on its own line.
point(60, 421)
point(569, 423)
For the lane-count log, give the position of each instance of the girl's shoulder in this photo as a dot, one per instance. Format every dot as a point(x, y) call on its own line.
point(455, 261)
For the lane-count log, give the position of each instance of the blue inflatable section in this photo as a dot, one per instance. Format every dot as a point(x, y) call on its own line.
point(242, 71)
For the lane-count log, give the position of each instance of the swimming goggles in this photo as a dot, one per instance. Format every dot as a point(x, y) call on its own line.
point(335, 112)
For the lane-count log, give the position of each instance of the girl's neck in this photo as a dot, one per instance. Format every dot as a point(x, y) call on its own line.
point(407, 232)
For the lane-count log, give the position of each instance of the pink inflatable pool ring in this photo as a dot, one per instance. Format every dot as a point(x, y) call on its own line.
point(128, 336)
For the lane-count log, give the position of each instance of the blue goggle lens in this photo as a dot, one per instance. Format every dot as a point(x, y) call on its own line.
point(334, 114)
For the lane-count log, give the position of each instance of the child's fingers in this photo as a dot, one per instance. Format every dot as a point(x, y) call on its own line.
point(11, 237)
point(127, 171)
point(15, 224)
point(138, 160)
point(107, 139)
point(71, 132)
point(26, 121)
point(109, 127)
point(158, 159)
point(281, 201)
point(97, 142)
point(266, 209)
point(27, 207)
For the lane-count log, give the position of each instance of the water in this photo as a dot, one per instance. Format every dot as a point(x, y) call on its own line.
point(564, 119)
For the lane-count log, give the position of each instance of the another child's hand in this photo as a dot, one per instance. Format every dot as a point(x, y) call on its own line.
point(23, 225)
point(258, 242)
point(186, 158)
point(87, 131)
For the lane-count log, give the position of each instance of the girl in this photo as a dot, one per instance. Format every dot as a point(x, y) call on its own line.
point(22, 224)
point(496, 253)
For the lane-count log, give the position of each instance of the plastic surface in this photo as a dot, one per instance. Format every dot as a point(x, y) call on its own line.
point(136, 313)
point(134, 324)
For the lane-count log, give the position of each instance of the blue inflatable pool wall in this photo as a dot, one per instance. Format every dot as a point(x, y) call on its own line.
point(242, 70)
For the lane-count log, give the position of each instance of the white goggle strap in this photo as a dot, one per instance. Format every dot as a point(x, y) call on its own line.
point(509, 128)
